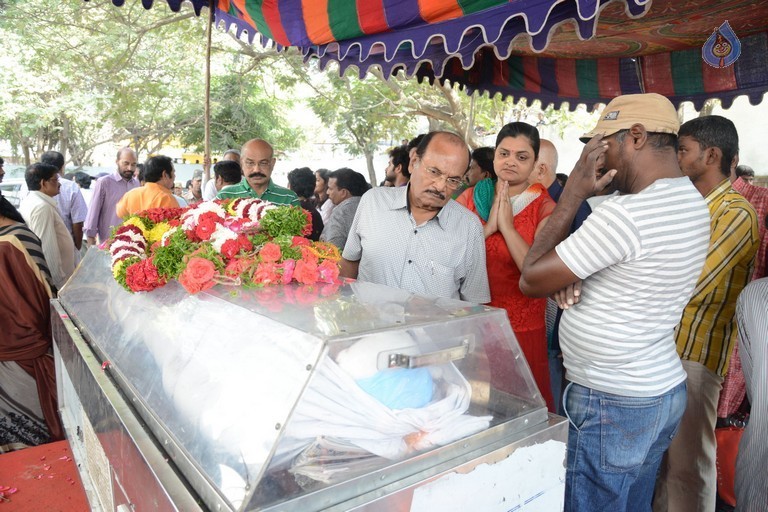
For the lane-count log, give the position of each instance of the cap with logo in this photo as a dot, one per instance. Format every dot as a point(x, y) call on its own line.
point(655, 112)
point(197, 175)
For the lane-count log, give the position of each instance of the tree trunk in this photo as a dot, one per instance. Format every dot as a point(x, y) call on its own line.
point(371, 169)
point(64, 137)
point(27, 157)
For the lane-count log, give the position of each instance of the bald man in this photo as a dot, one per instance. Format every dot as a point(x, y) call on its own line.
point(545, 173)
point(107, 192)
point(257, 160)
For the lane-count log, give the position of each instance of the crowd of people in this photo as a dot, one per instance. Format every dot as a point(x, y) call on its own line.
point(626, 283)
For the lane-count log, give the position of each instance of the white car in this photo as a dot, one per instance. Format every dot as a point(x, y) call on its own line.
point(12, 190)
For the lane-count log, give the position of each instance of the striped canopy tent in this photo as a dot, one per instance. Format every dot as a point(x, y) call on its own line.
point(557, 51)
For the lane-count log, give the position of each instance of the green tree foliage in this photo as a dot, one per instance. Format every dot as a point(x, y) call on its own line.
point(361, 114)
point(80, 74)
point(241, 110)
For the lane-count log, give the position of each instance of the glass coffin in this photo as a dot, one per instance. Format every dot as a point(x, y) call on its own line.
point(283, 394)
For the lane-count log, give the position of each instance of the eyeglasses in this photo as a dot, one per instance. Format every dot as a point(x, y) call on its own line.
point(262, 164)
point(451, 182)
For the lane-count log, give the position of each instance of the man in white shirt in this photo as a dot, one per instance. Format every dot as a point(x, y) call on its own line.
point(209, 187)
point(42, 216)
point(416, 237)
point(70, 200)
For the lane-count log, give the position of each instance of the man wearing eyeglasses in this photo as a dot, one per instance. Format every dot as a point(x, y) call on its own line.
point(257, 160)
point(416, 237)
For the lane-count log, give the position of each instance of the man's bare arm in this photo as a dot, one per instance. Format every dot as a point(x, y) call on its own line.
point(544, 273)
point(349, 268)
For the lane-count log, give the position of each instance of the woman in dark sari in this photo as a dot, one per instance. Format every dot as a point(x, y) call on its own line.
point(28, 405)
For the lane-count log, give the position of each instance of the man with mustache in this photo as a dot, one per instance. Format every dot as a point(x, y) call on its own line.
point(257, 160)
point(416, 237)
point(107, 192)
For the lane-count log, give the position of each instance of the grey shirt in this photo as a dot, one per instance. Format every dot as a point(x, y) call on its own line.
point(339, 222)
point(444, 257)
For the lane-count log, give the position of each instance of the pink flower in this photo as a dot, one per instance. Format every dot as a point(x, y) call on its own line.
point(329, 272)
point(266, 273)
point(306, 272)
point(198, 275)
point(237, 266)
point(288, 267)
point(298, 241)
point(308, 256)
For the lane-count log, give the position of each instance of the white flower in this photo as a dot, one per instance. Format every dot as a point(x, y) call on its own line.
point(128, 250)
point(189, 218)
point(220, 236)
point(167, 235)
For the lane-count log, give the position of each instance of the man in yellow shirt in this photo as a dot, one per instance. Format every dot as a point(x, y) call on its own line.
point(707, 332)
point(156, 191)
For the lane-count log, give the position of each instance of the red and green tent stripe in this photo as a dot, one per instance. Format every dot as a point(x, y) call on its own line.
point(681, 76)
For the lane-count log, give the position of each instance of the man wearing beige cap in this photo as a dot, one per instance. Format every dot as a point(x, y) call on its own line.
point(639, 255)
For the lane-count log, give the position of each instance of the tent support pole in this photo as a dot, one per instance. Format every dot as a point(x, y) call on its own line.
point(207, 114)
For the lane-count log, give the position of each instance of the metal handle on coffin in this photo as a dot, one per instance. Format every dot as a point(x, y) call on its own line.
point(438, 357)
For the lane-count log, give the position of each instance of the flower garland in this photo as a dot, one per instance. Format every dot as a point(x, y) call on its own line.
point(246, 242)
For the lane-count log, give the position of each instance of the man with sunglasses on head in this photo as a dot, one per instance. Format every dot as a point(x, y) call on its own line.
point(416, 237)
point(257, 160)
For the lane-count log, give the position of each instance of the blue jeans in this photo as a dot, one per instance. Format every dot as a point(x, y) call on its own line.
point(615, 447)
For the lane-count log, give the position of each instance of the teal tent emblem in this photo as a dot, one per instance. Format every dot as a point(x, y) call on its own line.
point(722, 48)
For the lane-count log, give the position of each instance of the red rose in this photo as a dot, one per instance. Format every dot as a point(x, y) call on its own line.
point(270, 252)
point(308, 226)
point(143, 276)
point(306, 272)
point(309, 256)
point(191, 235)
point(198, 275)
point(209, 217)
point(266, 273)
point(230, 248)
point(298, 241)
point(205, 228)
point(244, 243)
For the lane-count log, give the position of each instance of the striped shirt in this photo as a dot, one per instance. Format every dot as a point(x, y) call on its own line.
point(639, 256)
point(751, 467)
point(274, 193)
point(707, 331)
point(31, 244)
point(443, 257)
